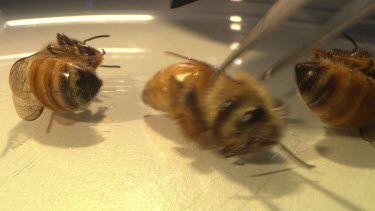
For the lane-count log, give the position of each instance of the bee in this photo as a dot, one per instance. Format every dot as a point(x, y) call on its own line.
point(233, 114)
point(60, 77)
point(339, 86)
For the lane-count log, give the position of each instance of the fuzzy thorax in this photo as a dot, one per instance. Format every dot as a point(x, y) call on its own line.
point(242, 113)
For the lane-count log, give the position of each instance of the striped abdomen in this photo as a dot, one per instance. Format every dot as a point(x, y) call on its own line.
point(61, 85)
point(340, 95)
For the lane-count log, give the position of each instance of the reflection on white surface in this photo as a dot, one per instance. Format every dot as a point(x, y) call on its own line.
point(79, 19)
point(236, 0)
point(235, 26)
point(125, 50)
point(238, 61)
point(15, 56)
point(135, 158)
point(234, 45)
point(107, 50)
point(235, 18)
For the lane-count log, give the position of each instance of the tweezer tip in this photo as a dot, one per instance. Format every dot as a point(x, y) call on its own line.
point(179, 3)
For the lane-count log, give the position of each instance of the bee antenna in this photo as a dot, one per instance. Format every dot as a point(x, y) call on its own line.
point(351, 40)
point(95, 37)
point(110, 66)
point(295, 157)
point(190, 59)
point(177, 55)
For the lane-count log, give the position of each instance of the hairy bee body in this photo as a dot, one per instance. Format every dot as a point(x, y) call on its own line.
point(339, 87)
point(235, 114)
point(61, 79)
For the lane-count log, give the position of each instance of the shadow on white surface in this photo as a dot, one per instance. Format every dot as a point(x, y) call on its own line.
point(70, 130)
point(264, 189)
point(346, 147)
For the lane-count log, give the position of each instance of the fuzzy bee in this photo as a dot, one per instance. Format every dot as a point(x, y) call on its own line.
point(60, 77)
point(233, 114)
point(339, 86)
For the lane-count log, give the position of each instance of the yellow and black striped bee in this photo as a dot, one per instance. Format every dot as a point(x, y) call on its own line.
point(233, 114)
point(60, 77)
point(339, 86)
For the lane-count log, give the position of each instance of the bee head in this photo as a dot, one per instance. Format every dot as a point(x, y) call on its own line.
point(255, 128)
point(245, 120)
point(247, 128)
point(92, 56)
point(83, 85)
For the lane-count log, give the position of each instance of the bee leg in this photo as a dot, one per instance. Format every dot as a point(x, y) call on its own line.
point(50, 122)
point(54, 50)
point(69, 45)
point(232, 150)
point(63, 40)
point(187, 112)
point(370, 70)
point(338, 52)
point(240, 161)
point(361, 54)
point(368, 133)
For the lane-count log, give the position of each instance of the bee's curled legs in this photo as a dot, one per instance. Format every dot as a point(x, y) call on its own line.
point(54, 50)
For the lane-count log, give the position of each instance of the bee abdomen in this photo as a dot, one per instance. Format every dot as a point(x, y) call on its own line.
point(48, 81)
point(356, 107)
point(346, 100)
point(161, 90)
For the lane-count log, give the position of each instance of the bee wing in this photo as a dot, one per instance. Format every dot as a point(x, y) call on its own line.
point(27, 108)
point(25, 103)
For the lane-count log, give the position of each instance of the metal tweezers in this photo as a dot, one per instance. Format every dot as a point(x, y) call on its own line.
point(179, 3)
point(351, 13)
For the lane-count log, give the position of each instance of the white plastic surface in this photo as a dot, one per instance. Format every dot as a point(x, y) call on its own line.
point(115, 158)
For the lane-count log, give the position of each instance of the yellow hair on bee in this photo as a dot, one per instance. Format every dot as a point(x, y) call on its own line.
point(243, 85)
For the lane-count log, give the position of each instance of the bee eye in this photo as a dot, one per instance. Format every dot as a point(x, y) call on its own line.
point(251, 116)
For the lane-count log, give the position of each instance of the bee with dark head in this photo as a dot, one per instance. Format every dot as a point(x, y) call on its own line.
point(234, 114)
point(339, 86)
point(60, 77)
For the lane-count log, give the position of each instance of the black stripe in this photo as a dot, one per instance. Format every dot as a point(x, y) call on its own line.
point(65, 89)
point(224, 112)
point(324, 93)
point(88, 84)
point(49, 86)
point(310, 79)
point(191, 102)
